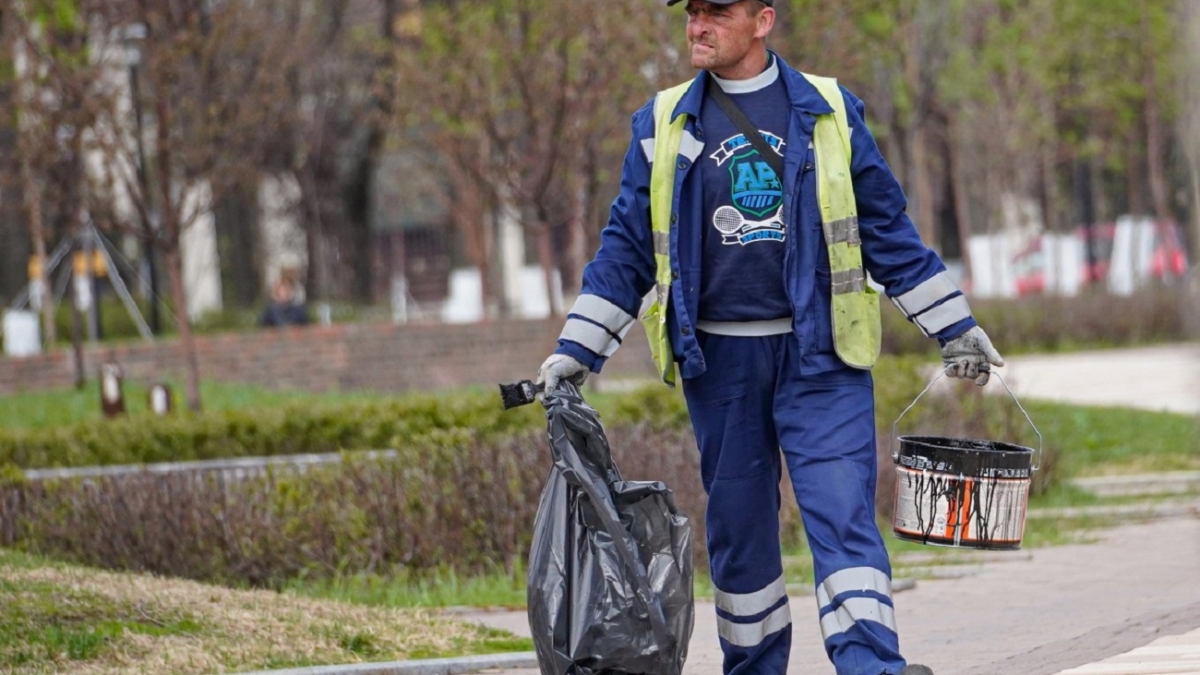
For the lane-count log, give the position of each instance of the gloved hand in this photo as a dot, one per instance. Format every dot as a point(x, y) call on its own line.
point(971, 355)
point(561, 367)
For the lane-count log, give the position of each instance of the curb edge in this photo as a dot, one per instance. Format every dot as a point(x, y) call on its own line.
point(447, 666)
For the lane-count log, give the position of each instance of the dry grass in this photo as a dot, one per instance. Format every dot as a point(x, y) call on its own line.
point(62, 619)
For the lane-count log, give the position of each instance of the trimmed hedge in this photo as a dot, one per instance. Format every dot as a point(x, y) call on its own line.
point(454, 496)
point(452, 500)
point(298, 428)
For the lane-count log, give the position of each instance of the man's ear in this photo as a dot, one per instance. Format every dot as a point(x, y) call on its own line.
point(766, 21)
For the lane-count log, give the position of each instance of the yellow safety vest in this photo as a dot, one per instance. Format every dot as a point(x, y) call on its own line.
point(856, 327)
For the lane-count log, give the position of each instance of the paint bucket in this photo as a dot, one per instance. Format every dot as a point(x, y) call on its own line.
point(962, 492)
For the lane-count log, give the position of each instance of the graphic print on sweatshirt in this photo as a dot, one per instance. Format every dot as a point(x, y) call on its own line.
point(756, 193)
point(744, 237)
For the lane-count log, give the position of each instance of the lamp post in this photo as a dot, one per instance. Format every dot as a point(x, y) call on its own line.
point(132, 37)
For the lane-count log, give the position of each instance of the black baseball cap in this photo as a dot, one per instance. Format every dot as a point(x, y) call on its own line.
point(768, 3)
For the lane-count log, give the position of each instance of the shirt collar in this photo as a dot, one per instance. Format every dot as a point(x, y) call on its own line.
point(803, 95)
point(759, 81)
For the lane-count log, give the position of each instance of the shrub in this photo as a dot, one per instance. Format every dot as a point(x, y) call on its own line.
point(297, 428)
point(454, 499)
point(1051, 323)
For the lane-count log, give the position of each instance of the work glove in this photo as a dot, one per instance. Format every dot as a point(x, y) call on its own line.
point(561, 367)
point(971, 355)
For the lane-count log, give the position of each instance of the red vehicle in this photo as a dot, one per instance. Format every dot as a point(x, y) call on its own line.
point(1169, 261)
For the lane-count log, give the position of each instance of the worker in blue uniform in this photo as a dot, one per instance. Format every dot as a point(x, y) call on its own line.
point(762, 302)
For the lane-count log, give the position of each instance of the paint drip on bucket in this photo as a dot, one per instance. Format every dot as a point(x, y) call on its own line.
point(962, 492)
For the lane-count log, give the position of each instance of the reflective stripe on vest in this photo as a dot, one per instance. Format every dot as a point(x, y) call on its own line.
point(855, 308)
point(668, 136)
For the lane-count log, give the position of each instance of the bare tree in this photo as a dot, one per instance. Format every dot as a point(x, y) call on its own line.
point(341, 77)
point(1154, 39)
point(28, 140)
point(521, 96)
point(48, 44)
point(213, 74)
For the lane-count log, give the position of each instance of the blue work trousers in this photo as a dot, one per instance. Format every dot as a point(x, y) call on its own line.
point(750, 403)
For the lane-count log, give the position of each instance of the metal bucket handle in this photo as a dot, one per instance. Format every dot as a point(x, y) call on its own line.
point(1037, 457)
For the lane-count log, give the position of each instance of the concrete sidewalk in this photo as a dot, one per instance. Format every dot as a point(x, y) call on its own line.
point(1159, 378)
point(1070, 609)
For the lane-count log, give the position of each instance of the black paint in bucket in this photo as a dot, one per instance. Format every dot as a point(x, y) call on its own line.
point(962, 492)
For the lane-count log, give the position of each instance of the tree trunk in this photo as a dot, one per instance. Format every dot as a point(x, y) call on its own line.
point(315, 181)
point(1195, 229)
point(923, 184)
point(30, 188)
point(360, 204)
point(172, 256)
point(362, 189)
point(468, 210)
point(962, 204)
point(1189, 118)
point(576, 254)
point(1051, 199)
point(1085, 212)
point(187, 343)
point(77, 336)
point(1155, 152)
point(1135, 176)
point(1156, 155)
point(487, 289)
point(545, 249)
point(33, 210)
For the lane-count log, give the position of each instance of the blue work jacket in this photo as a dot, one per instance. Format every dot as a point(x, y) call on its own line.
point(623, 269)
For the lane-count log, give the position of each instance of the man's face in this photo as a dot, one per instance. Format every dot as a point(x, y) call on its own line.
point(720, 36)
point(283, 292)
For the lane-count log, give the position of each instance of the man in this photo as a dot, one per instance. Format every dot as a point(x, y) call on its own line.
point(283, 309)
point(762, 302)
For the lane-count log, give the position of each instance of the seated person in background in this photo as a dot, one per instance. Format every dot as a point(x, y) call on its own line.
point(283, 308)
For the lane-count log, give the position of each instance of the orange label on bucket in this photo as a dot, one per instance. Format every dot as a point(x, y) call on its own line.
point(937, 508)
point(958, 522)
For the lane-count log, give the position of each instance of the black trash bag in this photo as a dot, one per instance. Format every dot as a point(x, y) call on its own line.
point(610, 568)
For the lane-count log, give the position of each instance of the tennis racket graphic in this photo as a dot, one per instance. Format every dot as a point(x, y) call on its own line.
point(735, 228)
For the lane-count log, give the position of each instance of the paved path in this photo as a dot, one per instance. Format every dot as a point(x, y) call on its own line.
point(1044, 611)
point(1163, 377)
point(1128, 604)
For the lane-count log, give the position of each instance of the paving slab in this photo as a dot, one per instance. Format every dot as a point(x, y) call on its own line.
point(1046, 611)
point(1179, 654)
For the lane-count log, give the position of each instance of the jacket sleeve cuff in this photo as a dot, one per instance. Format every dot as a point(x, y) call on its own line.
point(955, 330)
point(596, 325)
point(581, 354)
point(937, 307)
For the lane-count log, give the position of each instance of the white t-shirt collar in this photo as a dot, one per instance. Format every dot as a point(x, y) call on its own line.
point(760, 81)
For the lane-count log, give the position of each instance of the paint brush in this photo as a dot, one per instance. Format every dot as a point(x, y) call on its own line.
point(520, 393)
